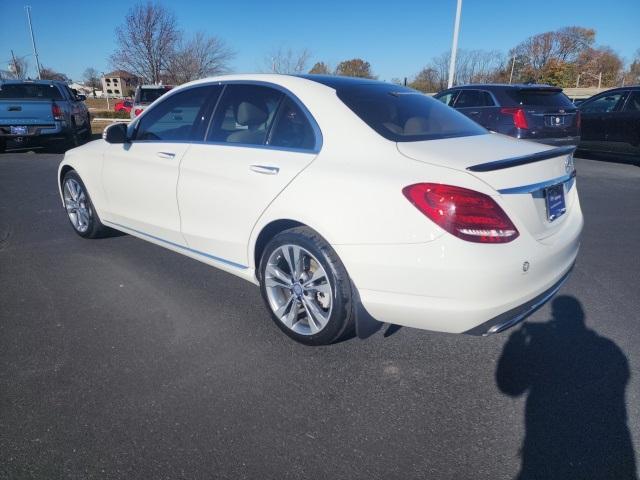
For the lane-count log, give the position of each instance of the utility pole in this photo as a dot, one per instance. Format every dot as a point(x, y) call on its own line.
point(454, 46)
point(513, 64)
point(33, 40)
point(599, 80)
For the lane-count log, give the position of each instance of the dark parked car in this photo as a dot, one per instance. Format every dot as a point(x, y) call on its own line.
point(611, 123)
point(534, 112)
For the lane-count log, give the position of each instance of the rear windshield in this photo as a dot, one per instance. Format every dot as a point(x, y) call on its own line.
point(29, 91)
point(149, 95)
point(404, 115)
point(544, 98)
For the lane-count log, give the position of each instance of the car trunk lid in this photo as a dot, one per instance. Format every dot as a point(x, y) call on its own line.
point(519, 171)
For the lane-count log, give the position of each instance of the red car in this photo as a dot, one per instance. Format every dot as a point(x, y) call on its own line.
point(123, 106)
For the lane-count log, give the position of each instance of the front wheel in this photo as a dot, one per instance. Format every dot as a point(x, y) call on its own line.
point(306, 287)
point(80, 210)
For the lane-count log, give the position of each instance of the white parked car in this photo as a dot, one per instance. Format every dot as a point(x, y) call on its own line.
point(342, 198)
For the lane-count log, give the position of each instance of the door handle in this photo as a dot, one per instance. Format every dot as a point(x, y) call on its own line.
point(166, 155)
point(264, 169)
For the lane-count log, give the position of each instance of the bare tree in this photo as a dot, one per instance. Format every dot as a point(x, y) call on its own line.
point(287, 61)
point(47, 73)
point(202, 56)
point(91, 77)
point(19, 68)
point(146, 41)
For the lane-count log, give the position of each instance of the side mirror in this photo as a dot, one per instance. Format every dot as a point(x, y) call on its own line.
point(81, 98)
point(115, 133)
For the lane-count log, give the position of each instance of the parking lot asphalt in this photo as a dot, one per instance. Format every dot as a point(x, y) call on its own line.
point(122, 360)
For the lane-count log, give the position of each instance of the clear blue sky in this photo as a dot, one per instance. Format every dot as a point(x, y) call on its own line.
point(397, 38)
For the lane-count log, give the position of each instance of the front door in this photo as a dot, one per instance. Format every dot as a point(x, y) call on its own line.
point(140, 177)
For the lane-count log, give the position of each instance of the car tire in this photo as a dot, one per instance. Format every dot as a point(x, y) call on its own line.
point(80, 210)
point(312, 302)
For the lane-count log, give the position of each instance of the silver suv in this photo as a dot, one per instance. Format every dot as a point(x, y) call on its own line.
point(145, 96)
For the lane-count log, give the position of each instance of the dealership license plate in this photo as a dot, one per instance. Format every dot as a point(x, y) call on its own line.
point(18, 130)
point(554, 196)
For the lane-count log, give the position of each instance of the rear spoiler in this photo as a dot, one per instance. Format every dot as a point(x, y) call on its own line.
point(523, 160)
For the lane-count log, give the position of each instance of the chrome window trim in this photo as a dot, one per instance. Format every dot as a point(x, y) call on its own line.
point(535, 187)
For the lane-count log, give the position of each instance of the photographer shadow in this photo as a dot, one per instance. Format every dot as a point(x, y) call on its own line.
point(575, 416)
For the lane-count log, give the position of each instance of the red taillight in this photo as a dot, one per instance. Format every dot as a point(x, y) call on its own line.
point(56, 111)
point(467, 214)
point(518, 115)
point(137, 111)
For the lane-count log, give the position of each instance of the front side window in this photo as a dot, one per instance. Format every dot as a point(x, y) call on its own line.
point(244, 115)
point(469, 98)
point(603, 104)
point(179, 117)
point(291, 128)
point(404, 115)
point(447, 97)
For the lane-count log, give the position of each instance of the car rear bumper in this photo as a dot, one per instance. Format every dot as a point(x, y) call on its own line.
point(449, 285)
point(514, 316)
point(40, 135)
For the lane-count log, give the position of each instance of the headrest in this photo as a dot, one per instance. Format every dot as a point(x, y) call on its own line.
point(416, 126)
point(251, 114)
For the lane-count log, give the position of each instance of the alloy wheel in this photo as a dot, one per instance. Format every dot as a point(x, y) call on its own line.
point(298, 289)
point(77, 205)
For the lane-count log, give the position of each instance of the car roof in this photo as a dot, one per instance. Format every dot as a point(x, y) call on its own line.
point(508, 86)
point(36, 82)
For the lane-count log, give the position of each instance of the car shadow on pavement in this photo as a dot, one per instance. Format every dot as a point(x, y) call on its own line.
point(575, 382)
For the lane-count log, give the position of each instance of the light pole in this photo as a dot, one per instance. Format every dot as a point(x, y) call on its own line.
point(454, 46)
point(599, 77)
point(33, 40)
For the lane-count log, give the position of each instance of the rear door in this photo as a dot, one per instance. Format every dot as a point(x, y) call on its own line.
point(140, 177)
point(260, 138)
point(478, 105)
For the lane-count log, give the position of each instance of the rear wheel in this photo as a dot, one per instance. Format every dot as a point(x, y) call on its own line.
point(82, 215)
point(306, 287)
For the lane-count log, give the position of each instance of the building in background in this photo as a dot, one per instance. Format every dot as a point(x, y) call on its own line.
point(119, 84)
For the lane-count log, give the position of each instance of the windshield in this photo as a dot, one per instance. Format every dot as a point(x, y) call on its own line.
point(29, 90)
point(404, 115)
point(544, 98)
point(149, 95)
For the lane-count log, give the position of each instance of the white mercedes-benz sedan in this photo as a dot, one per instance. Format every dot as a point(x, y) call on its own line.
point(342, 198)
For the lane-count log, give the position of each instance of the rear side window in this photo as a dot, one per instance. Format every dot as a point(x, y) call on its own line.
point(29, 91)
point(404, 115)
point(474, 98)
point(291, 128)
point(179, 117)
point(149, 95)
point(245, 114)
point(540, 98)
